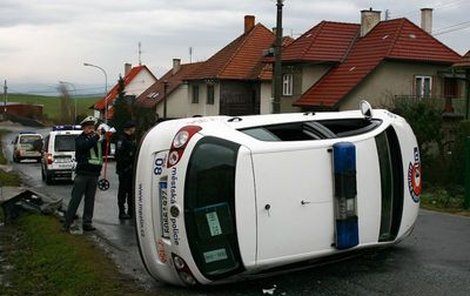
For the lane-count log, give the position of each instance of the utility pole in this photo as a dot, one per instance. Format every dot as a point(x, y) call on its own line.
point(277, 60)
point(5, 96)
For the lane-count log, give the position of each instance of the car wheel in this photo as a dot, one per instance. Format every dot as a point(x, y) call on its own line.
point(15, 159)
point(43, 176)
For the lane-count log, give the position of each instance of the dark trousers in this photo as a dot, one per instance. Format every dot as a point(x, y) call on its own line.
point(82, 186)
point(125, 194)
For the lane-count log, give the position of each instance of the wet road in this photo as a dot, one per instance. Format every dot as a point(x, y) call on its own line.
point(434, 260)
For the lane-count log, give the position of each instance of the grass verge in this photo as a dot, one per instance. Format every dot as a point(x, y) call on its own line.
point(441, 200)
point(47, 261)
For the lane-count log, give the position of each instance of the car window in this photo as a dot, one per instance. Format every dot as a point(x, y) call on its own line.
point(64, 142)
point(312, 130)
point(29, 139)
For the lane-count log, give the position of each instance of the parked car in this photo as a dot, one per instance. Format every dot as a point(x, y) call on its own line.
point(27, 145)
point(58, 159)
point(220, 199)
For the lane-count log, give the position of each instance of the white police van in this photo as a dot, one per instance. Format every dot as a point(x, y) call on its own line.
point(219, 199)
point(58, 159)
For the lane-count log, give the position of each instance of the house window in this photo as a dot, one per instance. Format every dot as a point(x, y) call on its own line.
point(210, 94)
point(287, 84)
point(195, 94)
point(423, 86)
point(451, 89)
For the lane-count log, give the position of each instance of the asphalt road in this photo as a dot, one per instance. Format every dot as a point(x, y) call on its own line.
point(434, 260)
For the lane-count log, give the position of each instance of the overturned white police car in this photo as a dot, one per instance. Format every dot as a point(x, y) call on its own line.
point(220, 199)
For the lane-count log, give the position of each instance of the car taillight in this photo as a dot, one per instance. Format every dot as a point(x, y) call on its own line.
point(179, 143)
point(50, 158)
point(183, 270)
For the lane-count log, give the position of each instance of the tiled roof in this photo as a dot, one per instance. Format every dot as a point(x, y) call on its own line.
point(327, 41)
point(241, 59)
point(464, 62)
point(397, 39)
point(113, 93)
point(154, 94)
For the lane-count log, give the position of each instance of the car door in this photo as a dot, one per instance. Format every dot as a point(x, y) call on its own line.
point(294, 203)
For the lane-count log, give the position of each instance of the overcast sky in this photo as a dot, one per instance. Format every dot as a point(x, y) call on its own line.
point(46, 41)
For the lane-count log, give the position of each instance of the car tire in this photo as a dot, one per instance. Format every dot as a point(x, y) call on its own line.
point(15, 159)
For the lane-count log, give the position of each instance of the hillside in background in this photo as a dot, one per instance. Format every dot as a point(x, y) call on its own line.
point(52, 104)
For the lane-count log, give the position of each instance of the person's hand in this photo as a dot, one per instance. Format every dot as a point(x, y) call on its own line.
point(98, 133)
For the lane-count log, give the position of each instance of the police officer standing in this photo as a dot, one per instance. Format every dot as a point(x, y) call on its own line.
point(89, 163)
point(126, 147)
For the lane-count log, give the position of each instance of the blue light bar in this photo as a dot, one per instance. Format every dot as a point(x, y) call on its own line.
point(66, 127)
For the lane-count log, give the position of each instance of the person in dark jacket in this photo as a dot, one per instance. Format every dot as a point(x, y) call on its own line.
point(126, 147)
point(89, 159)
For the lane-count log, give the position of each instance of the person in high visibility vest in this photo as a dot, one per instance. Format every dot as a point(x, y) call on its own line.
point(88, 154)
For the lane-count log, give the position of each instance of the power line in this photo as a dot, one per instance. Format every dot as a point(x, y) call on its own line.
point(457, 27)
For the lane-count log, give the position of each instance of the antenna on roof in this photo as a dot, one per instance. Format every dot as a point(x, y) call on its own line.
point(387, 14)
point(140, 54)
point(190, 54)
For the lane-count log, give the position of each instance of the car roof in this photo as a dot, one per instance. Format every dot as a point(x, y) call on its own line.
point(65, 132)
point(28, 133)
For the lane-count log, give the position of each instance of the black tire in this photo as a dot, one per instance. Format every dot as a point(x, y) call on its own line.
point(43, 176)
point(15, 159)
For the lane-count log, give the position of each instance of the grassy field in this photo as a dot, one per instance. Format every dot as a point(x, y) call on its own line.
point(43, 260)
point(50, 262)
point(51, 105)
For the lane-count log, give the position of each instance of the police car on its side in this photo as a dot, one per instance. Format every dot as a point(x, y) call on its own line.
point(58, 159)
point(220, 199)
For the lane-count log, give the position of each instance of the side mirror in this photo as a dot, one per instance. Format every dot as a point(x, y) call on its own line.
point(366, 109)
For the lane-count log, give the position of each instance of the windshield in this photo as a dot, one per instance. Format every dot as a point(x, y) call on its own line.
point(64, 143)
point(210, 207)
point(29, 139)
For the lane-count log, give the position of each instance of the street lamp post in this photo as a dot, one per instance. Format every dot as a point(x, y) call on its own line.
point(105, 89)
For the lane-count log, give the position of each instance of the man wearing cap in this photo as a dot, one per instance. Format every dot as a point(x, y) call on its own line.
point(126, 147)
point(89, 163)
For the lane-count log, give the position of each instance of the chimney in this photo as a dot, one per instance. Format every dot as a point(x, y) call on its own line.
point(249, 22)
point(176, 65)
point(369, 18)
point(127, 68)
point(426, 19)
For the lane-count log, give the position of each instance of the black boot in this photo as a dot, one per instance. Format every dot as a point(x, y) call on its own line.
point(122, 212)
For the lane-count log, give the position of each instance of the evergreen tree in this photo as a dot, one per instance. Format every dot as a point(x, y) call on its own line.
point(122, 112)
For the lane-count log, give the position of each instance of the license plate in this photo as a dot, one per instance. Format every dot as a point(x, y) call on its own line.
point(64, 166)
point(62, 160)
point(163, 193)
